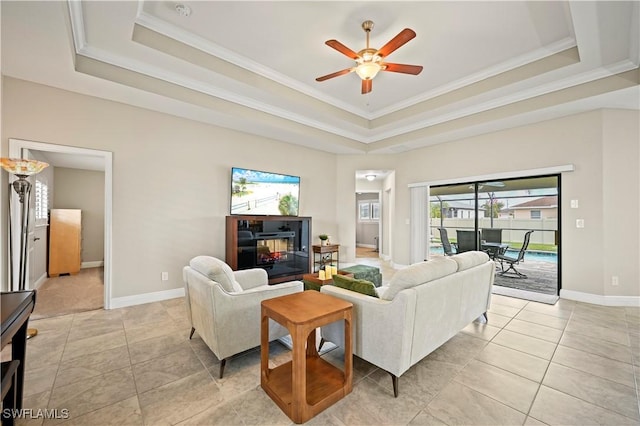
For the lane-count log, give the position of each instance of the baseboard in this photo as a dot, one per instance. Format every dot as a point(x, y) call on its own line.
point(39, 281)
point(524, 294)
point(140, 299)
point(93, 264)
point(598, 299)
point(366, 245)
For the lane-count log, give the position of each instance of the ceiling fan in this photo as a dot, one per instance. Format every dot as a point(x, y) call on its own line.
point(370, 61)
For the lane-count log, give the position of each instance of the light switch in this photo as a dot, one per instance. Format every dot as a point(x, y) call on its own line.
point(574, 204)
point(579, 223)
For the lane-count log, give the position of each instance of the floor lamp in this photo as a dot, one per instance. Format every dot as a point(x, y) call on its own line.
point(22, 169)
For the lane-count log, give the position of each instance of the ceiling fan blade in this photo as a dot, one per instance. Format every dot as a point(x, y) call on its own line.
point(342, 48)
point(402, 37)
point(335, 74)
point(366, 86)
point(403, 68)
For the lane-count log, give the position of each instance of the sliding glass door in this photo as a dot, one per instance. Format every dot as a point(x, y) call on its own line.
point(516, 221)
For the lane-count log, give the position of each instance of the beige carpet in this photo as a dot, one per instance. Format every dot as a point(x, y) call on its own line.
point(69, 294)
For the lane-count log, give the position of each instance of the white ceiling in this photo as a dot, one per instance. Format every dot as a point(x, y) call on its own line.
point(252, 66)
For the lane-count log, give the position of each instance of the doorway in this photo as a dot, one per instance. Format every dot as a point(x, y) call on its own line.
point(507, 218)
point(20, 148)
point(368, 224)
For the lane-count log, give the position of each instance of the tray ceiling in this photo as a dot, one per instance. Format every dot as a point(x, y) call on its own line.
point(252, 66)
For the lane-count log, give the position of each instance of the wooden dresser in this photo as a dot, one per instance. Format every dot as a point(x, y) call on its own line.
point(65, 236)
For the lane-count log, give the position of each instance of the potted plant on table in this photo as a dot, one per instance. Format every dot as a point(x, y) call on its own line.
point(324, 239)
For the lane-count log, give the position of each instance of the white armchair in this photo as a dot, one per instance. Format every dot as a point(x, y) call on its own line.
point(224, 305)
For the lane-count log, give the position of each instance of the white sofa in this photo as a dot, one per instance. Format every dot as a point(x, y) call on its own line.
point(422, 307)
point(223, 305)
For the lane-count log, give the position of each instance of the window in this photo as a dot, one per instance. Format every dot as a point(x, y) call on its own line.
point(42, 201)
point(375, 211)
point(364, 210)
point(535, 214)
point(368, 211)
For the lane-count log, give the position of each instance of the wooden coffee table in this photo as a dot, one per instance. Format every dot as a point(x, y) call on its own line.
point(307, 384)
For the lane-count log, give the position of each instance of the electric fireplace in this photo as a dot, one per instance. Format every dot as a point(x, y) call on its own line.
point(279, 245)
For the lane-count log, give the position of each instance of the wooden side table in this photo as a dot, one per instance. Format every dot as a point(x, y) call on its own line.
point(307, 384)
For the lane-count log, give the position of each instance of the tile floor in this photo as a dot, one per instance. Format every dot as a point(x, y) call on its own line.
point(572, 363)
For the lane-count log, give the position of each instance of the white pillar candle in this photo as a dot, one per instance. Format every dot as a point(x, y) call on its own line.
point(321, 274)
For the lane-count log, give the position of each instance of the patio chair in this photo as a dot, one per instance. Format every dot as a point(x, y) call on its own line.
point(467, 240)
point(513, 261)
point(446, 245)
point(493, 236)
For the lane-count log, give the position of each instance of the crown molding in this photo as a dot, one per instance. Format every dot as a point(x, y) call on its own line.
point(366, 135)
point(77, 25)
point(204, 45)
point(503, 67)
point(101, 55)
point(551, 87)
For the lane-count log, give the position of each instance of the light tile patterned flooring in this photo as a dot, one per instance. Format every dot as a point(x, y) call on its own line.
point(572, 363)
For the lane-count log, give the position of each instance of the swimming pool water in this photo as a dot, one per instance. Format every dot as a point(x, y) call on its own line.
point(539, 256)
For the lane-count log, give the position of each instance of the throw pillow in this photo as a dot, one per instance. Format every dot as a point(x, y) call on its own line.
point(360, 286)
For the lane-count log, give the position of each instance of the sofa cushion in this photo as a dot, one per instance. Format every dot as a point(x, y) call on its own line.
point(419, 273)
point(216, 270)
point(470, 259)
point(354, 284)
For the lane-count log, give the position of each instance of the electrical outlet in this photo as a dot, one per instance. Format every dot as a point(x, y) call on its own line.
point(574, 204)
point(614, 280)
point(165, 276)
point(579, 223)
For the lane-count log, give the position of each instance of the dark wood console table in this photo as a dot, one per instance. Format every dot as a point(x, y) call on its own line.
point(16, 309)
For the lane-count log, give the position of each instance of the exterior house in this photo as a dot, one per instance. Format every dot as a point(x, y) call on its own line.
point(460, 210)
point(539, 208)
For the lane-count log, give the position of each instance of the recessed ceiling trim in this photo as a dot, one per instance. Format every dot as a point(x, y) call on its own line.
point(551, 87)
point(503, 67)
point(142, 68)
point(101, 55)
point(77, 25)
point(176, 33)
point(422, 116)
point(373, 135)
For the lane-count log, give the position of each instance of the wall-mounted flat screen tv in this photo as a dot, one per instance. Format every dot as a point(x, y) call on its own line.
point(254, 192)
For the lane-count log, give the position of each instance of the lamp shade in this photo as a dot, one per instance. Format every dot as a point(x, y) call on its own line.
point(22, 167)
point(368, 70)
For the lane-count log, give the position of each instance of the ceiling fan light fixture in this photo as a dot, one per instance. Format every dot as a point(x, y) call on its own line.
point(370, 61)
point(368, 70)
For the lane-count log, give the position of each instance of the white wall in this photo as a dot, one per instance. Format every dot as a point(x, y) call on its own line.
point(620, 205)
point(171, 176)
point(171, 179)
